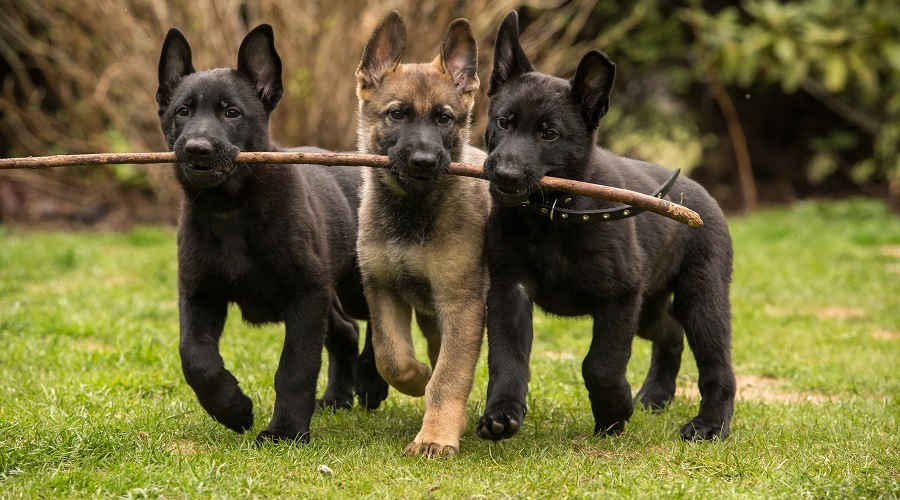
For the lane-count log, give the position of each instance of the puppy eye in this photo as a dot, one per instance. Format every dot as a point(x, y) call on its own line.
point(444, 119)
point(395, 114)
point(232, 113)
point(503, 122)
point(550, 135)
point(183, 111)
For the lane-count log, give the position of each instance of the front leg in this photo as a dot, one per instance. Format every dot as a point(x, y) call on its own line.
point(510, 333)
point(202, 320)
point(604, 367)
point(461, 321)
point(395, 355)
point(305, 322)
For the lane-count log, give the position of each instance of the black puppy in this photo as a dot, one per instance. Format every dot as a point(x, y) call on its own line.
point(277, 240)
point(623, 273)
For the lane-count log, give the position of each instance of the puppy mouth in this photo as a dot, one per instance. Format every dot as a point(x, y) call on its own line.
point(510, 192)
point(413, 177)
point(204, 175)
point(509, 196)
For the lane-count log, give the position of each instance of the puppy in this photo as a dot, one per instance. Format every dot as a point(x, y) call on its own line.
point(647, 274)
point(421, 230)
point(277, 240)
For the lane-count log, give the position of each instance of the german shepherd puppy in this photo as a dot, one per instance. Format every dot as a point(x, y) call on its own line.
point(623, 273)
point(421, 230)
point(277, 240)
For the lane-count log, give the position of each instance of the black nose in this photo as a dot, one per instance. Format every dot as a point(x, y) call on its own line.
point(422, 161)
point(198, 148)
point(506, 175)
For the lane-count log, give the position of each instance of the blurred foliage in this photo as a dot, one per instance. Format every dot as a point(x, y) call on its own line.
point(81, 76)
point(845, 53)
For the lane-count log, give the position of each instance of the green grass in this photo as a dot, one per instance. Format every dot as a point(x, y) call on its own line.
point(93, 403)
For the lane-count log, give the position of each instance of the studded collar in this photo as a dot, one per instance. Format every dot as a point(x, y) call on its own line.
point(554, 207)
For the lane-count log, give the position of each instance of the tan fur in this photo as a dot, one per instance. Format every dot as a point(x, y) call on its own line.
point(450, 260)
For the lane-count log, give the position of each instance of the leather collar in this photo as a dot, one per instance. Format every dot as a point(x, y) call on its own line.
point(554, 207)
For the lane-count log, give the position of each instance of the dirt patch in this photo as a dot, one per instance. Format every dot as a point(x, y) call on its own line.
point(91, 345)
point(559, 356)
point(765, 389)
point(886, 335)
point(837, 312)
point(185, 447)
point(830, 312)
point(891, 251)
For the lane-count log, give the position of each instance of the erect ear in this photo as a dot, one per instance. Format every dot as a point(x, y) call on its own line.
point(509, 58)
point(258, 61)
point(459, 56)
point(383, 50)
point(592, 85)
point(174, 63)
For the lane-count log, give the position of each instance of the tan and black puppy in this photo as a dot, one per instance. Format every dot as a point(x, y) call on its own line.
point(421, 237)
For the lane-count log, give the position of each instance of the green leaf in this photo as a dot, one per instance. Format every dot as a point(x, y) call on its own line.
point(891, 52)
point(785, 50)
point(865, 76)
point(835, 69)
point(793, 75)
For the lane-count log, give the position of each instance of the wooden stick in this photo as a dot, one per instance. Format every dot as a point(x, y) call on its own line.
point(624, 196)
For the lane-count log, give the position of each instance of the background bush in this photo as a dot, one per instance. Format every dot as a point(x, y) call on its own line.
point(814, 86)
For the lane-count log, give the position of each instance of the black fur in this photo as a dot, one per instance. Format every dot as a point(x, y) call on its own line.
point(277, 240)
point(624, 274)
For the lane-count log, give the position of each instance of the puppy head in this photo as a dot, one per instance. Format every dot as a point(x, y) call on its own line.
point(417, 114)
point(210, 116)
point(539, 124)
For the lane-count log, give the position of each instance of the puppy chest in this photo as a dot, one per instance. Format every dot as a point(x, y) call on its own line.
point(400, 269)
point(572, 274)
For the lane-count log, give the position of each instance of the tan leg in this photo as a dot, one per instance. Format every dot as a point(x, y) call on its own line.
point(462, 327)
point(432, 333)
point(395, 357)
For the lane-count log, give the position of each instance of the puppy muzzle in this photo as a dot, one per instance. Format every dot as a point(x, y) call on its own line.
point(205, 163)
point(508, 185)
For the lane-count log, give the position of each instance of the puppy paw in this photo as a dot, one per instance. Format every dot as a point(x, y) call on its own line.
point(371, 390)
point(431, 450)
point(237, 416)
point(700, 430)
point(268, 436)
point(500, 423)
point(326, 403)
point(609, 428)
point(654, 397)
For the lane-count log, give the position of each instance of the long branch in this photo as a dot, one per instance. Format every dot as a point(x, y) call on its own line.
point(625, 196)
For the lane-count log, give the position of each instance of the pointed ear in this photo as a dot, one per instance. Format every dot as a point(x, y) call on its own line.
point(509, 58)
point(459, 56)
point(258, 61)
point(383, 50)
point(174, 63)
point(592, 85)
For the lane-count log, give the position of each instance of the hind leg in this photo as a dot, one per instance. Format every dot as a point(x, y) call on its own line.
point(371, 388)
point(658, 325)
point(342, 344)
point(702, 306)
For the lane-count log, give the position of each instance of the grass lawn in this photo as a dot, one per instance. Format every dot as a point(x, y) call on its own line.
point(93, 403)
